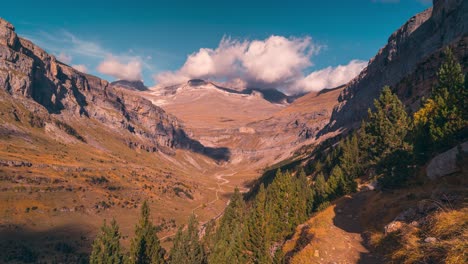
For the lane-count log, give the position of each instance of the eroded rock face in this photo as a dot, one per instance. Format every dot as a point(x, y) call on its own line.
point(446, 163)
point(7, 34)
point(28, 73)
point(412, 44)
point(130, 85)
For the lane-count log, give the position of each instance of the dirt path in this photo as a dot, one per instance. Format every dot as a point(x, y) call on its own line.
point(334, 235)
point(220, 181)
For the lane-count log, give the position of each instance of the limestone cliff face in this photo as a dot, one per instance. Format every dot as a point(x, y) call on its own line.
point(31, 75)
point(130, 85)
point(411, 47)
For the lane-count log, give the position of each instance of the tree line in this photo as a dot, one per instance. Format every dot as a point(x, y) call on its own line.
point(387, 146)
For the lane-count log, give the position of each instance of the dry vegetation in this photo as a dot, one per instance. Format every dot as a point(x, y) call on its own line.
point(56, 173)
point(434, 229)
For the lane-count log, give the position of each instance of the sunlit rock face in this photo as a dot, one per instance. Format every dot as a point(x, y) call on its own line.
point(414, 45)
point(31, 75)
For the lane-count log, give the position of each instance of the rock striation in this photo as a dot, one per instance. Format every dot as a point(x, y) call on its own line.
point(44, 84)
point(409, 49)
point(130, 85)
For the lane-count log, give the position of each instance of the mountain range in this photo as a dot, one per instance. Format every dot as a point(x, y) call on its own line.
point(76, 149)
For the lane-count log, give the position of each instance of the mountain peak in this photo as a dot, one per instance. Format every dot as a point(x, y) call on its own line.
point(8, 36)
point(130, 85)
point(197, 82)
point(6, 24)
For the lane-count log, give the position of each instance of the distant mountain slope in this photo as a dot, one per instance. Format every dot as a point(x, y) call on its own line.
point(258, 126)
point(32, 76)
point(415, 47)
point(75, 150)
point(130, 85)
point(205, 104)
point(271, 95)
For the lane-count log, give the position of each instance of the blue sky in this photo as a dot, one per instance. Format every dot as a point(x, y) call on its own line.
point(158, 36)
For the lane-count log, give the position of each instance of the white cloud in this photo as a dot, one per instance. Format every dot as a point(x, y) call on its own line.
point(65, 58)
point(67, 45)
point(274, 61)
point(80, 67)
point(123, 70)
point(278, 59)
point(222, 62)
point(331, 77)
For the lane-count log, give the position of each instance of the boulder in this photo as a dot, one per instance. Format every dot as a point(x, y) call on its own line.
point(430, 240)
point(446, 163)
point(393, 227)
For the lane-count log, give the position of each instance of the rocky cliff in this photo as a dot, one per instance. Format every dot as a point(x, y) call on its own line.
point(130, 85)
point(45, 85)
point(408, 62)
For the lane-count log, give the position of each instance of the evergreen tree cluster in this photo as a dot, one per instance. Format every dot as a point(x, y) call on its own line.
point(252, 233)
point(145, 247)
point(390, 143)
point(442, 121)
point(387, 146)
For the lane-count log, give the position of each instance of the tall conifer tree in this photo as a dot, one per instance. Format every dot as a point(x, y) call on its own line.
point(256, 230)
point(145, 246)
point(106, 246)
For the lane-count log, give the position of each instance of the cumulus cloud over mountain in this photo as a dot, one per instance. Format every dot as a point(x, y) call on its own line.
point(276, 62)
point(331, 76)
point(130, 70)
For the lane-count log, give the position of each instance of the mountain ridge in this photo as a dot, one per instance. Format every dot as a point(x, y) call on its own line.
point(272, 95)
point(66, 93)
point(79, 149)
point(444, 24)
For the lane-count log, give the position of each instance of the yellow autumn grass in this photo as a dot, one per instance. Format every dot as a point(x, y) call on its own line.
point(449, 228)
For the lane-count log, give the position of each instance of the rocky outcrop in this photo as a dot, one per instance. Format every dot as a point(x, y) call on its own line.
point(446, 163)
point(7, 34)
point(130, 85)
point(39, 80)
point(414, 43)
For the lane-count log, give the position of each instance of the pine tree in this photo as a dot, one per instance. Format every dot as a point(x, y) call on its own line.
point(256, 230)
point(320, 187)
point(305, 194)
point(145, 246)
point(443, 120)
point(187, 247)
point(228, 244)
point(178, 248)
point(106, 246)
point(386, 137)
point(336, 184)
point(364, 146)
point(280, 206)
point(387, 127)
point(397, 169)
point(350, 157)
point(208, 239)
